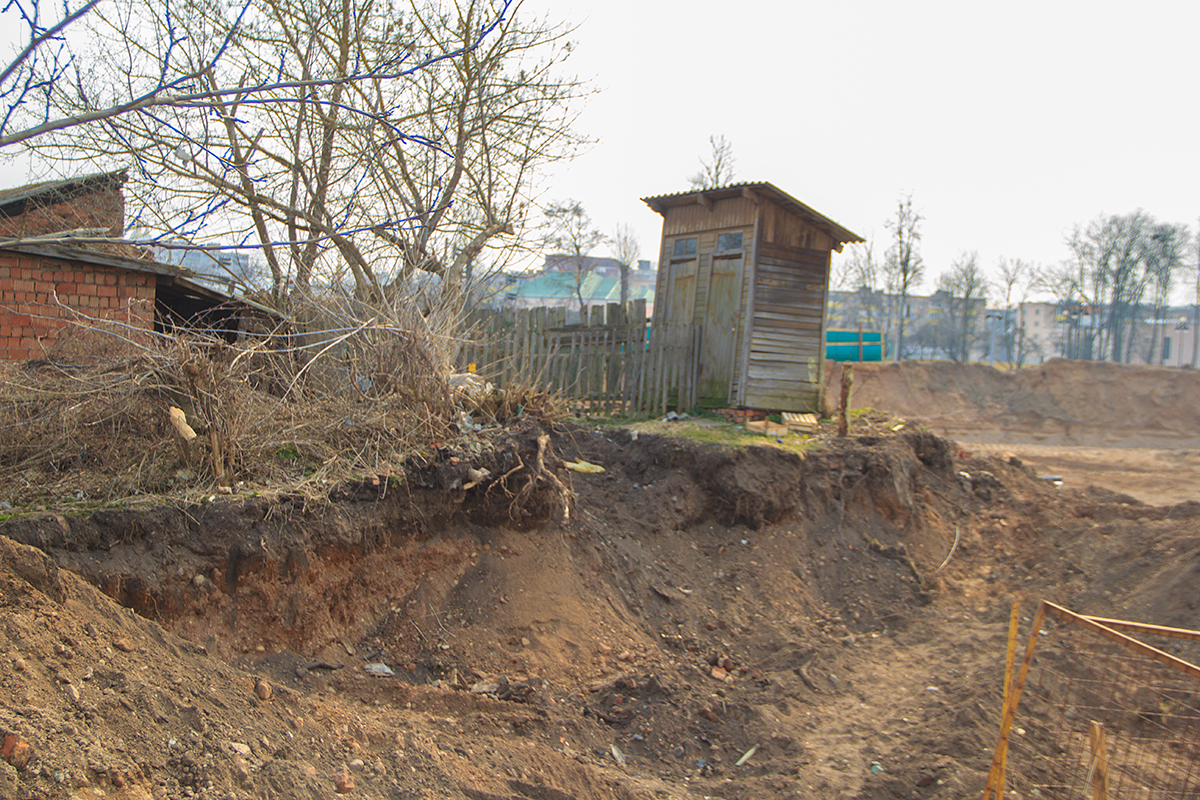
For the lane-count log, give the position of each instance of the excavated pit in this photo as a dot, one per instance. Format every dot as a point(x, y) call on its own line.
point(240, 575)
point(696, 603)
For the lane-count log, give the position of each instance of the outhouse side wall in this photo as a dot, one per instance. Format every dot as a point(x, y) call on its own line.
point(783, 355)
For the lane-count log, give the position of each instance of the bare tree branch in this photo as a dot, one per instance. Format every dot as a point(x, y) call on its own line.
point(626, 250)
point(903, 266)
point(717, 170)
point(337, 136)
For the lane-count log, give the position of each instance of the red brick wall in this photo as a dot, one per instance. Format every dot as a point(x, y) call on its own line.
point(32, 321)
point(99, 209)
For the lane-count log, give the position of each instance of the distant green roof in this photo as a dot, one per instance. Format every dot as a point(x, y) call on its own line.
point(560, 286)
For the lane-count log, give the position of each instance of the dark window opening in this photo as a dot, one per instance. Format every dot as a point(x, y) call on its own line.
point(684, 248)
point(729, 243)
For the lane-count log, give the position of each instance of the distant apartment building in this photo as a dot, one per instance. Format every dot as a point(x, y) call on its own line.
point(1040, 332)
point(1043, 330)
point(1168, 341)
point(228, 269)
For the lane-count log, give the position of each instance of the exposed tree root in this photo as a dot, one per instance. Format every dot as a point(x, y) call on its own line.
point(540, 476)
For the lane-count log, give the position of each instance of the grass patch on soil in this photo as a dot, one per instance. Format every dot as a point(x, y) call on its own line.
point(714, 429)
point(711, 429)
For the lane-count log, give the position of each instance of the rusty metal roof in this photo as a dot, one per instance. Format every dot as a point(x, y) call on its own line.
point(662, 202)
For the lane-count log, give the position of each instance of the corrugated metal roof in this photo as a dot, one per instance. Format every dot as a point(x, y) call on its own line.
point(663, 201)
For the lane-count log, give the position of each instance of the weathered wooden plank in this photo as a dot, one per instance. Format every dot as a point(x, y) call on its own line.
point(767, 320)
point(734, 212)
point(783, 373)
point(766, 287)
point(772, 383)
point(804, 309)
point(783, 336)
point(788, 296)
point(792, 325)
point(765, 358)
point(769, 272)
point(659, 376)
point(596, 358)
point(774, 249)
point(812, 266)
point(792, 283)
point(782, 360)
point(521, 367)
point(785, 399)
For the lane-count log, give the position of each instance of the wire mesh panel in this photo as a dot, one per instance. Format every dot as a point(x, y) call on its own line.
point(1102, 709)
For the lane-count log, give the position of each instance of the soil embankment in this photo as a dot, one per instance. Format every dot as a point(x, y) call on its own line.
point(703, 623)
point(1078, 403)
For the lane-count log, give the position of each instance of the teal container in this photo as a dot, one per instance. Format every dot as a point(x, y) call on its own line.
point(843, 345)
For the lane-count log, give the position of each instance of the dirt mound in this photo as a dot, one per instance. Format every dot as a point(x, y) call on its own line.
point(1061, 401)
point(708, 622)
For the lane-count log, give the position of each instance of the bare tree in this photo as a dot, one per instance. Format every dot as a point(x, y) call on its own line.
point(1164, 258)
point(1062, 281)
point(1016, 279)
point(1196, 304)
point(1107, 274)
point(349, 140)
point(626, 249)
point(964, 286)
point(45, 70)
point(903, 266)
point(717, 169)
point(574, 237)
point(862, 274)
point(502, 112)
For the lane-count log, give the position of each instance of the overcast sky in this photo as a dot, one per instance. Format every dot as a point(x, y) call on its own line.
point(1008, 123)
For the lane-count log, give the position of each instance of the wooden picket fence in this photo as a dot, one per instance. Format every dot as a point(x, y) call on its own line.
point(603, 361)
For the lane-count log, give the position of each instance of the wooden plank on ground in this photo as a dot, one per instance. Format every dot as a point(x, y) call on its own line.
point(800, 423)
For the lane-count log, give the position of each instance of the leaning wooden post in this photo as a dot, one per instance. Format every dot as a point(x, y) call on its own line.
point(847, 380)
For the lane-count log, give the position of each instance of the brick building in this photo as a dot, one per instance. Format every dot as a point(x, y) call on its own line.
point(90, 203)
point(48, 286)
point(43, 292)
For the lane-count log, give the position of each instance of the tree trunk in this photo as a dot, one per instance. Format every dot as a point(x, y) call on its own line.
point(844, 400)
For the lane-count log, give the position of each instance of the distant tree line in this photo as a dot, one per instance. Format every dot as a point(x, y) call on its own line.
point(884, 292)
point(1121, 271)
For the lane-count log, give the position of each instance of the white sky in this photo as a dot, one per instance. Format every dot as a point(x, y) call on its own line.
point(1007, 122)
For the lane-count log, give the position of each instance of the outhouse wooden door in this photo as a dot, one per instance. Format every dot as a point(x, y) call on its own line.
point(720, 334)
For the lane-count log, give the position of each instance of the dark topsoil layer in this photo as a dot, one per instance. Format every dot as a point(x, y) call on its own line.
point(688, 604)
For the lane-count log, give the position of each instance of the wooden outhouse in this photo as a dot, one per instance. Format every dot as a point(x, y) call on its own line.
point(743, 277)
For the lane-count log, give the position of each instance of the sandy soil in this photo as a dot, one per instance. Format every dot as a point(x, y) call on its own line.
point(1129, 429)
point(700, 622)
point(1157, 477)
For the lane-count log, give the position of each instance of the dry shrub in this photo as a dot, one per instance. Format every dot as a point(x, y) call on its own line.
point(345, 393)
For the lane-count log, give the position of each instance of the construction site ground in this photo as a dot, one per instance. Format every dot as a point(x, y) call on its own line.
point(699, 621)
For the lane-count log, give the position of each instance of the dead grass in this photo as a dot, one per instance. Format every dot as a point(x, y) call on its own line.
point(288, 409)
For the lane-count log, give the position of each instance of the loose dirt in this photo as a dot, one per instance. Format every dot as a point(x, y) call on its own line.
point(1130, 429)
point(699, 622)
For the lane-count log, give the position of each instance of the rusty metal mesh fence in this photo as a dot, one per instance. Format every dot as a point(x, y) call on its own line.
point(1101, 709)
